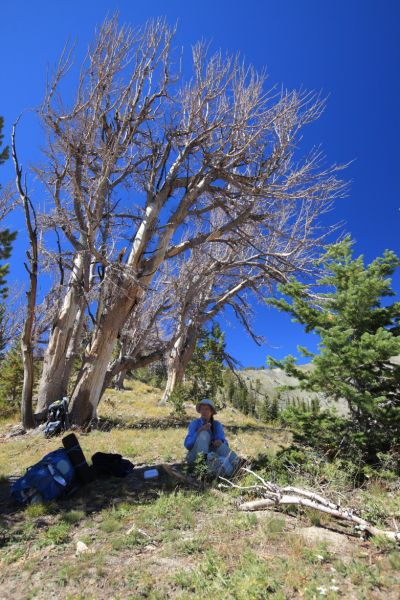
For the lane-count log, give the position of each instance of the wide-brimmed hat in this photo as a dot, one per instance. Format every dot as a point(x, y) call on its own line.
point(208, 403)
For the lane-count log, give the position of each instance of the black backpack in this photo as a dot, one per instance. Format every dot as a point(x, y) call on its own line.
point(107, 465)
point(57, 418)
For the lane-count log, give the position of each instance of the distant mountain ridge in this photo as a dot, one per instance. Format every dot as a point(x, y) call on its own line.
point(269, 383)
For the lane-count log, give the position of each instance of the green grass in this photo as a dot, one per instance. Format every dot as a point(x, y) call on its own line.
point(182, 543)
point(58, 533)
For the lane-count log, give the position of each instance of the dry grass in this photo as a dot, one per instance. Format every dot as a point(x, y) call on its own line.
point(141, 432)
point(177, 544)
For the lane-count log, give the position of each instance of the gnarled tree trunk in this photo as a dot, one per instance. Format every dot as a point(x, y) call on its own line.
point(64, 339)
point(90, 382)
point(119, 379)
point(74, 348)
point(27, 418)
point(177, 361)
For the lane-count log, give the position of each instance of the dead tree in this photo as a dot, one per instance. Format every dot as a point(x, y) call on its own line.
point(274, 496)
point(196, 289)
point(223, 274)
point(143, 339)
point(65, 335)
point(27, 418)
point(218, 140)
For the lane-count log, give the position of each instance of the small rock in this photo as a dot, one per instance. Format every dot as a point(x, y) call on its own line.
point(38, 430)
point(150, 547)
point(81, 547)
point(15, 431)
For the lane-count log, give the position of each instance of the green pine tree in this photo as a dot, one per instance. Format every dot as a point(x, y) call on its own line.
point(206, 368)
point(11, 379)
point(359, 333)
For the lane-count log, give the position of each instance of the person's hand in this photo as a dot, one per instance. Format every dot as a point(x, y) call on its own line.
point(217, 444)
point(205, 427)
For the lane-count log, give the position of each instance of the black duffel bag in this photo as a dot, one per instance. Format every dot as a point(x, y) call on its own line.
point(110, 465)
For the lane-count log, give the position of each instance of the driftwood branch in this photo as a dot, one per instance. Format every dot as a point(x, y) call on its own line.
point(275, 496)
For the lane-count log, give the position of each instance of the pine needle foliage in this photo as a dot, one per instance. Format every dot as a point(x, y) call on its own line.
point(11, 379)
point(205, 370)
point(358, 326)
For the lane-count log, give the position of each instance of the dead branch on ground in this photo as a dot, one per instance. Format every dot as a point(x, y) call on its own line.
point(275, 496)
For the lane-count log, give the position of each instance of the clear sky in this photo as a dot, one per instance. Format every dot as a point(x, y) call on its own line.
point(348, 49)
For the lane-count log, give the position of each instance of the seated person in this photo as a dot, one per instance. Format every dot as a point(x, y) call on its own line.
point(206, 436)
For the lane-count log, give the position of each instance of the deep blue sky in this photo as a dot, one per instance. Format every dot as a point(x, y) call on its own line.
point(349, 49)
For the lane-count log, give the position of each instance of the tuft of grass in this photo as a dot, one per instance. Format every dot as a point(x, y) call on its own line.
point(128, 450)
point(175, 511)
point(13, 555)
point(73, 516)
point(33, 511)
point(110, 525)
point(128, 541)
point(252, 578)
point(70, 572)
point(383, 544)
point(273, 526)
point(313, 516)
point(192, 546)
point(316, 554)
point(394, 560)
point(245, 522)
point(58, 533)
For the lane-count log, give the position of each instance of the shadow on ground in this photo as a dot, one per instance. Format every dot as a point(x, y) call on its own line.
point(107, 424)
point(102, 493)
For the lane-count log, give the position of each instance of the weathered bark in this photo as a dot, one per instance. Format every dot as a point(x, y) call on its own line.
point(129, 363)
point(175, 378)
point(64, 338)
point(89, 387)
point(90, 383)
point(27, 418)
point(177, 361)
point(74, 348)
point(119, 379)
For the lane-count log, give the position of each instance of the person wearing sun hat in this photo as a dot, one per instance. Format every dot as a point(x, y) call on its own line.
point(206, 436)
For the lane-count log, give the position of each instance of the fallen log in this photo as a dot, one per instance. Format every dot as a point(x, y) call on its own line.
point(275, 496)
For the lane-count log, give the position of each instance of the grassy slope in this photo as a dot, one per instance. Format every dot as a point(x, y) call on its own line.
point(271, 383)
point(177, 543)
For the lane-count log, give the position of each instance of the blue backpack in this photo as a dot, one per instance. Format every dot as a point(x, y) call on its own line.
point(48, 479)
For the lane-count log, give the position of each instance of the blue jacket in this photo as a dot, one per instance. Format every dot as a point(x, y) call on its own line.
point(194, 426)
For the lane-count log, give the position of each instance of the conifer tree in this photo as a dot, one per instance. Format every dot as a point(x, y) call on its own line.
point(11, 379)
point(359, 333)
point(206, 367)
